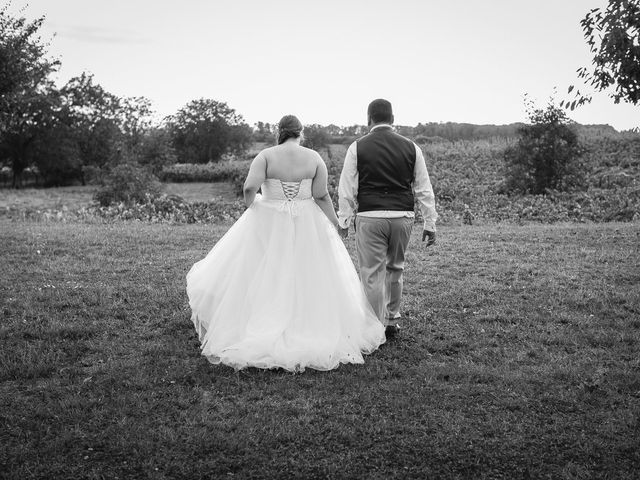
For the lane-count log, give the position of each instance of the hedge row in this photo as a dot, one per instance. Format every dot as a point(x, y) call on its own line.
point(593, 206)
point(234, 171)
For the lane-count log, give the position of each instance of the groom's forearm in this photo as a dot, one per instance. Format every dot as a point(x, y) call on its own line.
point(423, 192)
point(346, 211)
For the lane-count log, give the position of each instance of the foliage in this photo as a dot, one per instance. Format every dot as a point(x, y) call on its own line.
point(57, 155)
point(168, 209)
point(264, 132)
point(613, 35)
point(466, 176)
point(151, 208)
point(462, 131)
point(315, 137)
point(205, 129)
point(80, 127)
point(128, 184)
point(26, 102)
point(546, 155)
point(109, 129)
point(35, 117)
point(155, 150)
point(24, 66)
point(431, 132)
point(134, 119)
point(234, 171)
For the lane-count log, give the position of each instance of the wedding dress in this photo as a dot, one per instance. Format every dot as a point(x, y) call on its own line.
point(279, 289)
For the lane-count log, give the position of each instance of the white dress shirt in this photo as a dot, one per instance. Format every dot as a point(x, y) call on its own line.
point(348, 191)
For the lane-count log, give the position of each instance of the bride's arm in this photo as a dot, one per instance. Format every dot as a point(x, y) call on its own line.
point(321, 193)
point(255, 178)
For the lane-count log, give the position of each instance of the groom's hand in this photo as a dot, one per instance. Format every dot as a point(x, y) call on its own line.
point(431, 235)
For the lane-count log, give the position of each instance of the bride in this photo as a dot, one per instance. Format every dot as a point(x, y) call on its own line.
point(279, 288)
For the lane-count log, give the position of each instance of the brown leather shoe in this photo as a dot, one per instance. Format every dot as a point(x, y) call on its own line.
point(392, 331)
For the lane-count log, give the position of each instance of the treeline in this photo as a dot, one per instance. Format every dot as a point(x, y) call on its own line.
point(80, 132)
point(423, 133)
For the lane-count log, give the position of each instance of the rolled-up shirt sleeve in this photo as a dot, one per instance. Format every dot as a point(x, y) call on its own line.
point(423, 192)
point(348, 187)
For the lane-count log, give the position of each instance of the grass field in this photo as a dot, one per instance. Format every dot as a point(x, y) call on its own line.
point(520, 359)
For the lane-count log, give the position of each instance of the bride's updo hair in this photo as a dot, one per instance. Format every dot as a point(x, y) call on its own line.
point(289, 127)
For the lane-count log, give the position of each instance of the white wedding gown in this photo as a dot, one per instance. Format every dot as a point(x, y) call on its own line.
point(280, 290)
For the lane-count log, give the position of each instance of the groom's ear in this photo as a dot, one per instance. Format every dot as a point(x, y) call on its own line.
point(369, 121)
point(392, 119)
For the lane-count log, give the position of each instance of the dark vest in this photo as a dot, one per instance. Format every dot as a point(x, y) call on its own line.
point(386, 163)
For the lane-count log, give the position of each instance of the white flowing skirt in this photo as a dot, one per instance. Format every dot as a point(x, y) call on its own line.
point(280, 290)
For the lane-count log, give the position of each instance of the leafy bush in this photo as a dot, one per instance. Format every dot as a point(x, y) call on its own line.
point(587, 206)
point(546, 156)
point(128, 183)
point(92, 175)
point(153, 209)
point(465, 169)
point(172, 209)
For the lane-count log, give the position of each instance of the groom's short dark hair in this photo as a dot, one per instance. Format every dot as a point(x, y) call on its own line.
point(380, 111)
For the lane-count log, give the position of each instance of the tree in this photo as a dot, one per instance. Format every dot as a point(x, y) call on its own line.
point(547, 154)
point(315, 136)
point(240, 139)
point(27, 101)
point(57, 155)
point(156, 150)
point(264, 132)
point(134, 118)
point(205, 129)
point(23, 61)
point(93, 115)
point(613, 36)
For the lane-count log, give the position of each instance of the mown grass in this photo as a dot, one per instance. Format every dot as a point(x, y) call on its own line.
point(52, 198)
point(520, 359)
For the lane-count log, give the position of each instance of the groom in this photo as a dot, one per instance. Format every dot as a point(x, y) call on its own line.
point(383, 174)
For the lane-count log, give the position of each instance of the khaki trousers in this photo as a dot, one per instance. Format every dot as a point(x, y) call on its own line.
point(380, 246)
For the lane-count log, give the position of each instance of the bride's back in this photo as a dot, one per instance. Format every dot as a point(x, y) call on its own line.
point(290, 162)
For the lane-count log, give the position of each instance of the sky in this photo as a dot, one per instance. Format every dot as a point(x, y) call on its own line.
point(324, 60)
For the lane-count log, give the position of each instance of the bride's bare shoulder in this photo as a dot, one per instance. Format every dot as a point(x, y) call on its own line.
point(310, 152)
point(268, 150)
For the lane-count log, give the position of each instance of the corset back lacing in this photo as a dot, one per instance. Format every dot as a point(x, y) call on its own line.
point(290, 189)
point(286, 195)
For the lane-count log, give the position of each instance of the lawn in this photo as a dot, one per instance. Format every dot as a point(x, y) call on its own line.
point(43, 198)
point(520, 359)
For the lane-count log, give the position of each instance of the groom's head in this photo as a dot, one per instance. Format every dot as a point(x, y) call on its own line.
point(380, 111)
